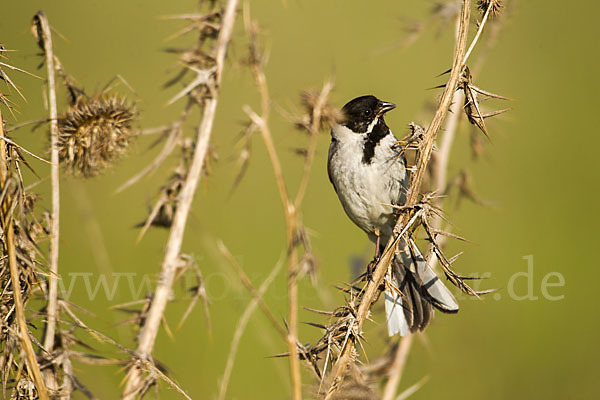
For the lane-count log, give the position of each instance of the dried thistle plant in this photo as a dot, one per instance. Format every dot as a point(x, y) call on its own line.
point(206, 59)
point(495, 6)
point(318, 115)
point(85, 125)
point(20, 272)
point(329, 115)
point(94, 133)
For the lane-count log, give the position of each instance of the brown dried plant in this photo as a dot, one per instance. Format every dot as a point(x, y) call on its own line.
point(20, 268)
point(205, 59)
point(49, 373)
point(319, 114)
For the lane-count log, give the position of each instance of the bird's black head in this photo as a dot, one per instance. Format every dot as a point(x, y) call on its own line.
point(360, 113)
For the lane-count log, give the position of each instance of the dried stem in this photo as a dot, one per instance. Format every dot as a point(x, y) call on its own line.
point(440, 173)
point(33, 367)
point(147, 335)
point(290, 218)
point(290, 221)
point(391, 387)
point(52, 308)
point(381, 268)
point(290, 209)
point(442, 110)
point(52, 317)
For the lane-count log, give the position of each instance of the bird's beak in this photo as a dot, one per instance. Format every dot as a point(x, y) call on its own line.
point(385, 107)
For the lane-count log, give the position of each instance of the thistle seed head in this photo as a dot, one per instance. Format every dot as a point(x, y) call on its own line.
point(329, 115)
point(496, 5)
point(94, 133)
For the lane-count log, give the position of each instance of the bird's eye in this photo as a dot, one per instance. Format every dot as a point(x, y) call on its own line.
point(367, 113)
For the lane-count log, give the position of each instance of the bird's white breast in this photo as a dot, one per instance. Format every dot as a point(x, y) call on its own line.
point(367, 190)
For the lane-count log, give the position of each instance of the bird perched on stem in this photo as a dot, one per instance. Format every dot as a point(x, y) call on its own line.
point(368, 171)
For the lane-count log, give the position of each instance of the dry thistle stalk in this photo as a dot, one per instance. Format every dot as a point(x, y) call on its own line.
point(92, 136)
point(206, 59)
point(94, 133)
point(318, 115)
point(411, 211)
point(420, 212)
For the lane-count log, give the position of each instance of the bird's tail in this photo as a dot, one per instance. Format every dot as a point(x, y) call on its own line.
point(417, 289)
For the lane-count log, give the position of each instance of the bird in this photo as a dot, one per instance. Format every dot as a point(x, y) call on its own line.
point(368, 171)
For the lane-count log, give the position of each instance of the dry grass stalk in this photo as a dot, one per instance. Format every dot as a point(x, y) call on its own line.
point(91, 134)
point(135, 384)
point(44, 37)
point(319, 113)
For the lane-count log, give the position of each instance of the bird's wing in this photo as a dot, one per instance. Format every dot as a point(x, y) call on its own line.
point(332, 150)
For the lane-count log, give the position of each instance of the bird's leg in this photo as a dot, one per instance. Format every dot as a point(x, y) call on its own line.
point(377, 255)
point(373, 263)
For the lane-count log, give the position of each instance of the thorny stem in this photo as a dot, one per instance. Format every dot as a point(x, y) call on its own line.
point(290, 221)
point(443, 156)
point(147, 335)
point(293, 270)
point(33, 367)
point(372, 289)
point(442, 110)
point(440, 173)
point(289, 210)
point(440, 177)
point(389, 393)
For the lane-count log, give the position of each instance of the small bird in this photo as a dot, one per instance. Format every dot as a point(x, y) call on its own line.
point(368, 171)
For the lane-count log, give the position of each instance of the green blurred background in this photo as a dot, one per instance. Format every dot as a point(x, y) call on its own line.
point(539, 174)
